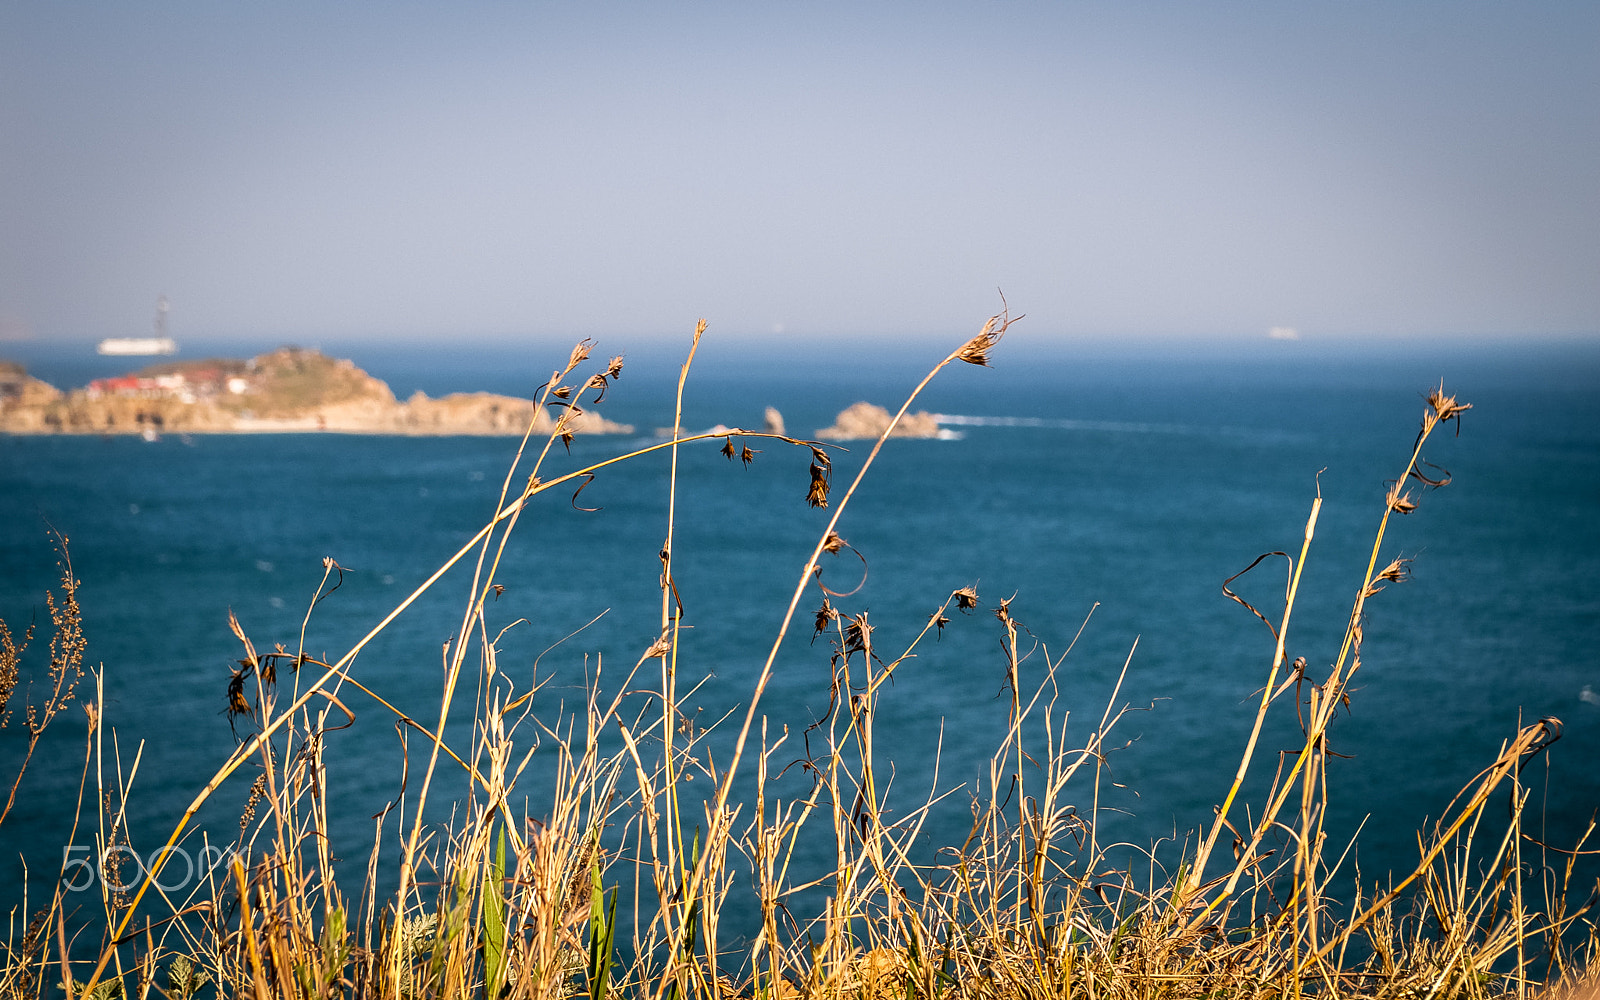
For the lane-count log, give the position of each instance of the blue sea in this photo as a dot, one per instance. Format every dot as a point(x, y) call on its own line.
point(1121, 486)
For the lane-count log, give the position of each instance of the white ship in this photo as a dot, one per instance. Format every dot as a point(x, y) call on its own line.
point(139, 346)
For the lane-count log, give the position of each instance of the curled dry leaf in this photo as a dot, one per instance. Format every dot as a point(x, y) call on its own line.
point(598, 383)
point(1418, 474)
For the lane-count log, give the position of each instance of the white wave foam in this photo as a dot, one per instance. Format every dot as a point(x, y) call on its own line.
point(1115, 426)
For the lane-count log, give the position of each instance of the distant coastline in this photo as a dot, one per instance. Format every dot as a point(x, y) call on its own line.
point(283, 392)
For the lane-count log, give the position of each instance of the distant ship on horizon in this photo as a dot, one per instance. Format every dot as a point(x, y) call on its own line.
point(141, 346)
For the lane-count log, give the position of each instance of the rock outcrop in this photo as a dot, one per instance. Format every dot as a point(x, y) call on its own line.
point(865, 420)
point(288, 390)
point(23, 399)
point(774, 421)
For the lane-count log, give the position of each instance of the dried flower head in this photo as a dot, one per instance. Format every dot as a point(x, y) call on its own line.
point(1003, 612)
point(727, 449)
point(858, 635)
point(976, 350)
point(614, 369)
point(1446, 408)
point(1398, 502)
point(833, 543)
point(940, 620)
point(747, 456)
point(966, 598)
point(237, 704)
point(826, 615)
point(661, 647)
point(580, 353)
point(1398, 571)
point(821, 478)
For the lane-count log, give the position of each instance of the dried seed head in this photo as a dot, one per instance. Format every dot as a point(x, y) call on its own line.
point(580, 352)
point(826, 615)
point(1445, 407)
point(1003, 612)
point(562, 392)
point(1398, 571)
point(821, 479)
point(833, 543)
point(1399, 502)
point(614, 369)
point(966, 598)
point(727, 449)
point(237, 705)
point(661, 647)
point(858, 635)
point(976, 350)
point(747, 456)
point(940, 621)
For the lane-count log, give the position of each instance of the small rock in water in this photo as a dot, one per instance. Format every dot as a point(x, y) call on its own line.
point(865, 420)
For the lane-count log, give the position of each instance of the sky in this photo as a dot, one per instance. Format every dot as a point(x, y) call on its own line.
point(476, 171)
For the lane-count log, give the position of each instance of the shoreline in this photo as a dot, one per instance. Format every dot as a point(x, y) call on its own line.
point(289, 391)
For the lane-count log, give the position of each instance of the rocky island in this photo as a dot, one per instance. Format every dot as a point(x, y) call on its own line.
point(867, 420)
point(287, 391)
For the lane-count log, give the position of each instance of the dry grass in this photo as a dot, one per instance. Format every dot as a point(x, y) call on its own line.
point(622, 885)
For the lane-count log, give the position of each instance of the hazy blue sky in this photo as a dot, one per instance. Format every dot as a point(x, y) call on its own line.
point(293, 171)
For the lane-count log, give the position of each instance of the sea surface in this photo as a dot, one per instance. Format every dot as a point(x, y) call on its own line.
point(1122, 488)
